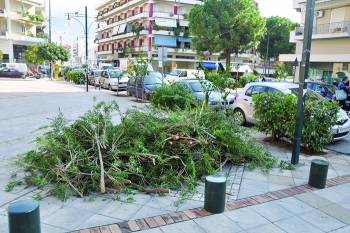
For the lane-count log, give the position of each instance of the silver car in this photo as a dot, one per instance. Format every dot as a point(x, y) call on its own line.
point(244, 108)
point(114, 80)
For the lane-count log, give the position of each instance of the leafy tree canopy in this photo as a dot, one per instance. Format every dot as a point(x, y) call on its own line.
point(225, 26)
point(31, 55)
point(278, 29)
point(52, 52)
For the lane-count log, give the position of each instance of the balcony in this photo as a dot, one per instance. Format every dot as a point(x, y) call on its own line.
point(326, 31)
point(28, 39)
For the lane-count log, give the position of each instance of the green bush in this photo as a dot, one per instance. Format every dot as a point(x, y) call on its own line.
point(245, 79)
point(276, 115)
point(172, 97)
point(75, 76)
point(148, 149)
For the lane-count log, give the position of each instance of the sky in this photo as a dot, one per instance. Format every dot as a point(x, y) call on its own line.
point(60, 29)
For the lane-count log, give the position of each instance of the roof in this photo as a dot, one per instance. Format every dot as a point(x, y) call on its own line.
point(277, 85)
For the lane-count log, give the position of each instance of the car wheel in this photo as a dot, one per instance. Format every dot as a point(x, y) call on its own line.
point(110, 87)
point(239, 117)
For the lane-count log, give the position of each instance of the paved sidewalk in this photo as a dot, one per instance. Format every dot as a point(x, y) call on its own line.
point(293, 210)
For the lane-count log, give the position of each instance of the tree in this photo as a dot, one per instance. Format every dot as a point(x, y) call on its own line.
point(138, 70)
point(51, 52)
point(1, 55)
point(225, 26)
point(31, 55)
point(278, 29)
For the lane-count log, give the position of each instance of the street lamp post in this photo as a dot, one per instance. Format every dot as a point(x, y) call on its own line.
point(267, 51)
point(303, 74)
point(75, 16)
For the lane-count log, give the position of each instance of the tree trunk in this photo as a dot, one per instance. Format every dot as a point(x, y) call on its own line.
point(228, 60)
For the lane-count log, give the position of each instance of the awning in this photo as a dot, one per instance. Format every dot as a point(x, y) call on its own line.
point(185, 39)
point(165, 41)
point(210, 65)
point(166, 22)
point(115, 30)
point(122, 28)
point(184, 23)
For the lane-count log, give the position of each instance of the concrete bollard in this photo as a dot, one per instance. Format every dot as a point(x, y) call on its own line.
point(318, 173)
point(215, 194)
point(24, 217)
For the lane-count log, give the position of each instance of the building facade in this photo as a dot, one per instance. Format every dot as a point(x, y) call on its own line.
point(21, 24)
point(330, 52)
point(129, 26)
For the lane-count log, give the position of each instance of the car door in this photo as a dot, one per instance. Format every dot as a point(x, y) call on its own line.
point(248, 101)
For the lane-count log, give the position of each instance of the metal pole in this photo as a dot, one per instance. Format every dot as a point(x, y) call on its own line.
point(50, 36)
point(267, 51)
point(86, 49)
point(303, 74)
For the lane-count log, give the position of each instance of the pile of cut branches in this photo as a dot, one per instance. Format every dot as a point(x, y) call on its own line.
point(149, 150)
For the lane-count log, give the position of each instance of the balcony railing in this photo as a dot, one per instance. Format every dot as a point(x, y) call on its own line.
point(329, 28)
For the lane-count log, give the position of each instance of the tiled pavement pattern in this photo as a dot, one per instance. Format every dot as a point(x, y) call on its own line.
point(293, 210)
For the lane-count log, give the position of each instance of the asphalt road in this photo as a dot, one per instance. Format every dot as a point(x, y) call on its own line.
point(26, 105)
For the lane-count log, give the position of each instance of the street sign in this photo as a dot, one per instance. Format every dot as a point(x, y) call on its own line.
point(162, 56)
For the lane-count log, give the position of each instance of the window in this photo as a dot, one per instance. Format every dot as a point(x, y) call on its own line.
point(257, 90)
point(249, 91)
point(141, 9)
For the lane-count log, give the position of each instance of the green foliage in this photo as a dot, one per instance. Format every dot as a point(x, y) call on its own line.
point(11, 185)
point(1, 55)
point(52, 52)
point(283, 70)
point(276, 115)
point(75, 76)
point(137, 28)
point(225, 26)
point(148, 149)
point(138, 70)
point(32, 56)
point(245, 79)
point(33, 17)
point(172, 97)
point(286, 165)
point(278, 29)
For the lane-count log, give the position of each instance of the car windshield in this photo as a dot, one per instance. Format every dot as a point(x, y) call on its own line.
point(289, 91)
point(97, 73)
point(155, 75)
point(152, 80)
point(115, 73)
point(309, 94)
point(198, 86)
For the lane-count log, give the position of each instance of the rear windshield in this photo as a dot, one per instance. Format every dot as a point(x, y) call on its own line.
point(115, 73)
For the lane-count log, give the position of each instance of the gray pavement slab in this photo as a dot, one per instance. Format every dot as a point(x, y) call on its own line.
point(247, 218)
point(338, 212)
point(342, 146)
point(272, 211)
point(322, 221)
point(183, 227)
point(296, 224)
point(269, 228)
point(294, 205)
point(219, 222)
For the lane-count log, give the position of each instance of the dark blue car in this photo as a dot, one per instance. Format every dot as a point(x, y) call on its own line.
point(150, 82)
point(324, 89)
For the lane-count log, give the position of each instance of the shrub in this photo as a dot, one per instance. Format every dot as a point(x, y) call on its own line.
point(147, 149)
point(245, 79)
point(276, 115)
point(75, 76)
point(172, 97)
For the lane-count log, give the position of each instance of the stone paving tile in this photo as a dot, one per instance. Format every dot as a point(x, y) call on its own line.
point(154, 230)
point(147, 211)
point(45, 228)
point(7, 197)
point(322, 221)
point(98, 220)
point(338, 212)
point(269, 228)
point(183, 227)
point(163, 202)
point(294, 205)
point(247, 218)
point(67, 218)
point(93, 204)
point(220, 222)
point(331, 195)
point(189, 204)
point(313, 200)
point(272, 211)
point(343, 230)
point(296, 225)
point(281, 180)
point(120, 210)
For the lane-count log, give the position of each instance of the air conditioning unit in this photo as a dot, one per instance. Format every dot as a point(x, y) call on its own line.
point(319, 14)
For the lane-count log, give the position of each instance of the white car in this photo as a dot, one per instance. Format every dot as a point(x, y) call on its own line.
point(180, 74)
point(114, 80)
point(244, 108)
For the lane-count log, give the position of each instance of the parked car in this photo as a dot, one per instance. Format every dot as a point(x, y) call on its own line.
point(178, 74)
point(11, 73)
point(327, 91)
point(215, 97)
point(20, 67)
point(244, 108)
point(113, 80)
point(151, 81)
point(94, 77)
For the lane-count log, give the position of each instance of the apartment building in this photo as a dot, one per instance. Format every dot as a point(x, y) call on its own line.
point(129, 26)
point(330, 53)
point(21, 24)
